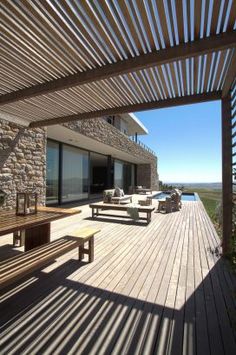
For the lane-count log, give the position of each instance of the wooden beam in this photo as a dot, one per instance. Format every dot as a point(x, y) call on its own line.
point(185, 50)
point(186, 100)
point(226, 174)
point(230, 77)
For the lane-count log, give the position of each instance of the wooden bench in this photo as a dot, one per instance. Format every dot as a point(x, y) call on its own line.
point(17, 267)
point(99, 206)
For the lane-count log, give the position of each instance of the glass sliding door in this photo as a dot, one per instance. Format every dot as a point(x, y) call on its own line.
point(98, 174)
point(118, 174)
point(52, 172)
point(128, 176)
point(75, 174)
point(124, 175)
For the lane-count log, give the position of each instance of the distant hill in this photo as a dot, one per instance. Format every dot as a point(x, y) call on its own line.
point(198, 185)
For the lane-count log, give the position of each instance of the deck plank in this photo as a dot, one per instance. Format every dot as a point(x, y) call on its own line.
point(151, 289)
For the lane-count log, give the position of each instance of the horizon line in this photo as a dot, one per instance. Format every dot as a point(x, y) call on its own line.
point(192, 182)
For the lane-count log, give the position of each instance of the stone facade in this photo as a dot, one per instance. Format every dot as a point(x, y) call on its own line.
point(22, 161)
point(147, 175)
point(104, 132)
point(23, 156)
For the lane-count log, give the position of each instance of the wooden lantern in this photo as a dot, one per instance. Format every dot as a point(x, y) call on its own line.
point(26, 203)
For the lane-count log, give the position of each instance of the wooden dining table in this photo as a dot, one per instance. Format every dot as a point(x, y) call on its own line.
point(35, 228)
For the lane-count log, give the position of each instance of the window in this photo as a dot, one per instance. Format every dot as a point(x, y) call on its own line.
point(52, 172)
point(74, 174)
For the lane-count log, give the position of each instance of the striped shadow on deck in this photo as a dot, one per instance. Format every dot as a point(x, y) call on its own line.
point(159, 289)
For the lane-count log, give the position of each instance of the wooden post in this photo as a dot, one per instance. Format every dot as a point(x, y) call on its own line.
point(226, 173)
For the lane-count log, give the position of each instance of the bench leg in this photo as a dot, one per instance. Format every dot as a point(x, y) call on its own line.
point(36, 236)
point(89, 251)
point(148, 217)
point(81, 254)
point(19, 238)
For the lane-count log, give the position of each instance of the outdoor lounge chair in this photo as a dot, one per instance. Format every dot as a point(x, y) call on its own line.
point(109, 196)
point(142, 189)
point(172, 203)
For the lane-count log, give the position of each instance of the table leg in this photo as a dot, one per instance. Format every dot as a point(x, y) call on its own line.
point(91, 249)
point(37, 236)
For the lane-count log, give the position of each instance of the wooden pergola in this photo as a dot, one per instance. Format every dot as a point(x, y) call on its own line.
point(68, 60)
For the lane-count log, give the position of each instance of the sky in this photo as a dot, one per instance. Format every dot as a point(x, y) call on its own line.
point(187, 141)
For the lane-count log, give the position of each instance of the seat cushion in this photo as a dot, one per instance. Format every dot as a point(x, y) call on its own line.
point(119, 192)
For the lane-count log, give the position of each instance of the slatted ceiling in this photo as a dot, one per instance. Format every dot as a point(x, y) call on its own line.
point(156, 83)
point(44, 31)
point(7, 85)
point(178, 77)
point(116, 83)
point(74, 31)
point(41, 41)
point(198, 74)
point(110, 18)
point(19, 56)
point(150, 20)
point(230, 16)
point(69, 43)
point(75, 15)
point(145, 86)
point(215, 70)
point(26, 74)
point(148, 27)
point(152, 82)
point(136, 81)
point(220, 69)
point(173, 74)
point(46, 40)
point(100, 29)
point(132, 89)
point(140, 85)
point(167, 79)
point(39, 50)
point(126, 29)
point(135, 29)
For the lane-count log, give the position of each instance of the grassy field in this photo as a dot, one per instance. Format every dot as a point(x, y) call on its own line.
point(211, 199)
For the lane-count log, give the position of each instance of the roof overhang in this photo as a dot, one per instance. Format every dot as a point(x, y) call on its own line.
point(71, 137)
point(134, 125)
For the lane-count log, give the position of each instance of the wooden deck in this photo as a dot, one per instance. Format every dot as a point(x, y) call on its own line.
point(152, 289)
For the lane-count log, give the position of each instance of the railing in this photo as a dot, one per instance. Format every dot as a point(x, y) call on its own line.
point(141, 144)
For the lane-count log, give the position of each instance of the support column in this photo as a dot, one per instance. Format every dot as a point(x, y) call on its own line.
point(226, 174)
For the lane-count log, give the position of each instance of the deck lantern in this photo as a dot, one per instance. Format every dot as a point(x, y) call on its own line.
point(26, 203)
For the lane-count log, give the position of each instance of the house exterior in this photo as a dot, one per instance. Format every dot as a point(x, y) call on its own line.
point(75, 161)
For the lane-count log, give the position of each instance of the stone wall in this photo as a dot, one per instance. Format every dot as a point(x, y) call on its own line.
point(22, 161)
point(103, 132)
point(147, 175)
